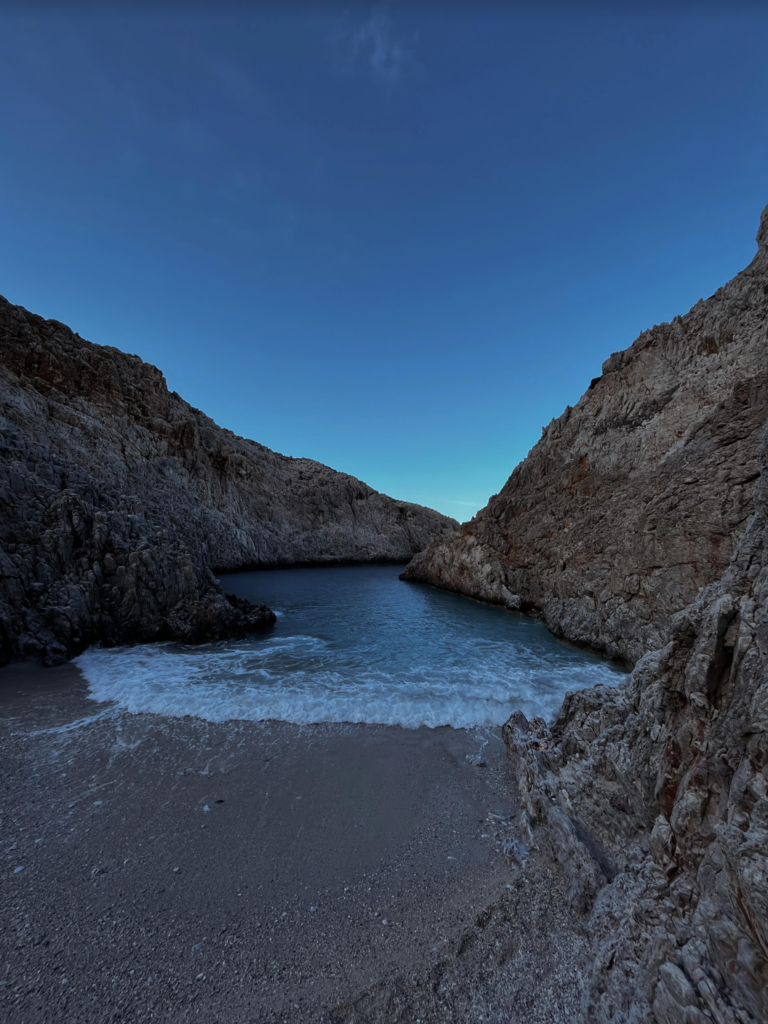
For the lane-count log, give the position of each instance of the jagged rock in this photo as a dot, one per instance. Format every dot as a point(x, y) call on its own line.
point(653, 796)
point(635, 498)
point(118, 499)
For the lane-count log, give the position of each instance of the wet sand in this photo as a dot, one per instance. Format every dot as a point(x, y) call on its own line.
point(176, 870)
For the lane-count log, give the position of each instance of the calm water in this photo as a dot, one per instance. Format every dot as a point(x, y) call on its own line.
point(354, 645)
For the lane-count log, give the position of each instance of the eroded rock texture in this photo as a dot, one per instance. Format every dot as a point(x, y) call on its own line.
point(654, 798)
point(639, 524)
point(118, 499)
point(635, 498)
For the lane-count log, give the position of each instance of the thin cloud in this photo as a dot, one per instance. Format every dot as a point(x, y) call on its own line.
point(373, 44)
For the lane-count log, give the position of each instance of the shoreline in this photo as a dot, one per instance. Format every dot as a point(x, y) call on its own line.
point(534, 614)
point(318, 866)
point(313, 563)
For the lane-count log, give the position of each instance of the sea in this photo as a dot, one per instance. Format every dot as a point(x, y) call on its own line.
point(354, 644)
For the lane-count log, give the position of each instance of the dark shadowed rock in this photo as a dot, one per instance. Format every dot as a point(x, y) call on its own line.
point(118, 499)
point(636, 497)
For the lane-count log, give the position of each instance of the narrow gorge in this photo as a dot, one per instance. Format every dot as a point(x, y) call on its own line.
point(637, 527)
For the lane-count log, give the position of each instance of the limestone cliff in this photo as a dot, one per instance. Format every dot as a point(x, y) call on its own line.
point(636, 497)
point(639, 524)
point(653, 795)
point(654, 798)
point(118, 499)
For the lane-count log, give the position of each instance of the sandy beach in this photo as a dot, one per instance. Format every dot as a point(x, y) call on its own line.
point(173, 869)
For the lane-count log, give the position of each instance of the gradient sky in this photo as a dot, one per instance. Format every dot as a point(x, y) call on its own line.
point(390, 238)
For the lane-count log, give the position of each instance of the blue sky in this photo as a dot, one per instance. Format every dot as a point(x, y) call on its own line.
point(390, 238)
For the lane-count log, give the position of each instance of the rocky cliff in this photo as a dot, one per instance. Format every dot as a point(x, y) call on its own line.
point(118, 499)
point(636, 497)
point(639, 524)
point(653, 796)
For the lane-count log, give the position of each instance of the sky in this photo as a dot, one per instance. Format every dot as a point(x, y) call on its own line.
point(398, 238)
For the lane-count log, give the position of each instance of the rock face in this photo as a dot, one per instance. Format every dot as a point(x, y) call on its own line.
point(654, 799)
point(639, 524)
point(118, 499)
point(636, 497)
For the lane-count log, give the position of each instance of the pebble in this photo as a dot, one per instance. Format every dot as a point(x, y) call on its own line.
point(197, 946)
point(97, 803)
point(176, 870)
point(206, 808)
point(18, 869)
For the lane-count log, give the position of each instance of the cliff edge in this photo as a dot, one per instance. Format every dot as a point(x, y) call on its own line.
point(639, 524)
point(118, 500)
point(636, 497)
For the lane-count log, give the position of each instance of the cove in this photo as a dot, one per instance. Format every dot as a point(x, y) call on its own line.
point(354, 644)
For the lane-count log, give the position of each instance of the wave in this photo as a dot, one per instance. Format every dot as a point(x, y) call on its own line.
point(307, 679)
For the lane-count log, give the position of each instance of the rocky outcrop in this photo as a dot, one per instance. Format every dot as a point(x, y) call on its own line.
point(636, 497)
point(118, 500)
point(639, 525)
point(653, 796)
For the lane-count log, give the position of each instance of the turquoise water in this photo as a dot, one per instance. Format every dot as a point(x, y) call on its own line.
point(354, 644)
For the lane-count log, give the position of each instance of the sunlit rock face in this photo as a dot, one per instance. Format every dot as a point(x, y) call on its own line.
point(636, 497)
point(119, 499)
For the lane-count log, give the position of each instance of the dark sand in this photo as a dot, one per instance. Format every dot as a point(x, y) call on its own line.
point(325, 873)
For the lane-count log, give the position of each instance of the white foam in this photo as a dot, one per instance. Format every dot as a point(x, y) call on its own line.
point(302, 679)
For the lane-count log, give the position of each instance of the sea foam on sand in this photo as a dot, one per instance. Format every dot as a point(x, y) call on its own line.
point(305, 679)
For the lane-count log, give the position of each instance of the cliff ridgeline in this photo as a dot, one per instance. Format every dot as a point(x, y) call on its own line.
point(639, 525)
point(118, 500)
